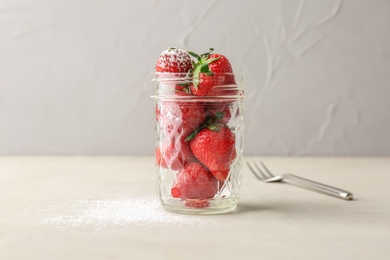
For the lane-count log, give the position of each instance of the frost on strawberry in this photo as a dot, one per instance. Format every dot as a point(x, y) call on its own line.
point(172, 67)
point(174, 155)
point(179, 119)
point(174, 60)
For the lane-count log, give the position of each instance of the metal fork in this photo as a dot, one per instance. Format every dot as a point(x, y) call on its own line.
point(265, 175)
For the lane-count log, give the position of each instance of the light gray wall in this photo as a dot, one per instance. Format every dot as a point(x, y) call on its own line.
point(75, 75)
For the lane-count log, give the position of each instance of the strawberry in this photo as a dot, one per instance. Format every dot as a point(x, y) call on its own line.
point(183, 89)
point(214, 147)
point(157, 112)
point(210, 71)
point(194, 182)
point(172, 66)
point(179, 119)
point(174, 60)
point(221, 112)
point(160, 160)
point(174, 155)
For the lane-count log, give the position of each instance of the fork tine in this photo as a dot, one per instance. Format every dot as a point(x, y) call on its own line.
point(266, 169)
point(262, 171)
point(254, 171)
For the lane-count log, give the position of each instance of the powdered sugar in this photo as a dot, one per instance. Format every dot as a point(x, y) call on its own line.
point(118, 212)
point(174, 60)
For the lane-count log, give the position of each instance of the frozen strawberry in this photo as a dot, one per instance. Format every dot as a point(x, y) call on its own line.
point(160, 160)
point(174, 60)
point(179, 119)
point(157, 112)
point(211, 73)
point(214, 147)
point(174, 155)
point(167, 157)
point(194, 182)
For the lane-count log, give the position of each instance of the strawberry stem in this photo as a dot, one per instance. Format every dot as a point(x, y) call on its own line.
point(207, 53)
point(219, 115)
point(211, 122)
point(202, 65)
point(193, 54)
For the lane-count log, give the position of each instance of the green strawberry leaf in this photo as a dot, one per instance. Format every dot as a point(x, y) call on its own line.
point(211, 122)
point(193, 54)
point(206, 54)
point(219, 115)
point(195, 132)
point(215, 127)
point(204, 68)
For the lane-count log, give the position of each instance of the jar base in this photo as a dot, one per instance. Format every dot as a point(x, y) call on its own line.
point(200, 207)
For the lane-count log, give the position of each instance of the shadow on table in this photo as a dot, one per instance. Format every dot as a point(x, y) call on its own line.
point(289, 207)
point(245, 207)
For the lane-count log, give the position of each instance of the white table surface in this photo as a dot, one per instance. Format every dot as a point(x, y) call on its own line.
point(106, 208)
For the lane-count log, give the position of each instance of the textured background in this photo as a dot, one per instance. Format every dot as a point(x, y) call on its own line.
point(75, 75)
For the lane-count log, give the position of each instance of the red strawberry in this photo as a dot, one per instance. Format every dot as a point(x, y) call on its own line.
point(214, 147)
point(221, 112)
point(210, 73)
point(174, 155)
point(157, 112)
point(194, 182)
point(174, 60)
point(160, 160)
point(183, 89)
point(179, 119)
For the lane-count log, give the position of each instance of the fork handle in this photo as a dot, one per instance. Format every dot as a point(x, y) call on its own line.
point(342, 194)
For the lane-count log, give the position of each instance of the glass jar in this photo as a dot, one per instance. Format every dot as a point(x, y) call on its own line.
point(199, 142)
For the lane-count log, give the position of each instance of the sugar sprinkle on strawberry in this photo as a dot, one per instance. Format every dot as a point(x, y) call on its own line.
point(174, 60)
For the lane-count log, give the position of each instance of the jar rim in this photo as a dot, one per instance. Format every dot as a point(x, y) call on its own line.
point(175, 77)
point(198, 98)
point(167, 87)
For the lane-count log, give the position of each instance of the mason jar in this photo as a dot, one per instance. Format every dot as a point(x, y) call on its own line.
point(199, 142)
